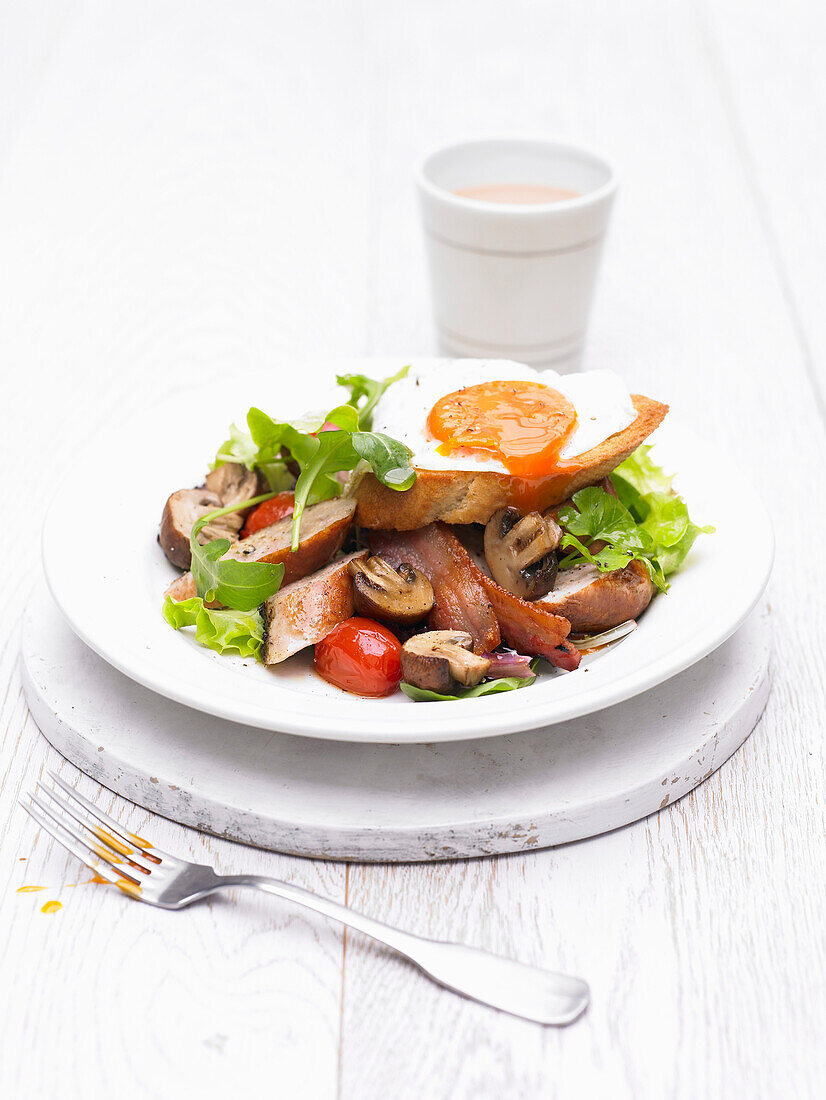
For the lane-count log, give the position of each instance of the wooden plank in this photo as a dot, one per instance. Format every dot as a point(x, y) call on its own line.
point(771, 82)
point(239, 189)
point(702, 967)
point(185, 197)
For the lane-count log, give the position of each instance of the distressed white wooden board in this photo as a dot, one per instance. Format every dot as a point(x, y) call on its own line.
point(159, 211)
point(393, 802)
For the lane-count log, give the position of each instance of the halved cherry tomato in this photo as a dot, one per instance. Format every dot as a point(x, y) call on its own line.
point(270, 511)
point(361, 656)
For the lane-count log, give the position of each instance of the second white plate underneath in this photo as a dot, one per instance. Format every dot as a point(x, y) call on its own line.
point(109, 584)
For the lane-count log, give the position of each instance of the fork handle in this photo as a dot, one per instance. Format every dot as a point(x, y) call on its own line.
point(513, 987)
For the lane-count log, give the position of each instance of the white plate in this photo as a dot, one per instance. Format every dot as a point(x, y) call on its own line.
point(107, 574)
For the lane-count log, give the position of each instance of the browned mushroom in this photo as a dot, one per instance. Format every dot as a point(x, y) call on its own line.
point(441, 659)
point(233, 483)
point(179, 515)
point(390, 595)
point(520, 552)
point(226, 485)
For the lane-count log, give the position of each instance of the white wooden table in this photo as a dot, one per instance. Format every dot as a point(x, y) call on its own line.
point(189, 189)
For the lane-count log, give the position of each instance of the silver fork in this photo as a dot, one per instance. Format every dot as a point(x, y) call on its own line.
point(158, 878)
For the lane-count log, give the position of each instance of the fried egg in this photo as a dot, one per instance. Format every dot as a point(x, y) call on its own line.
point(497, 415)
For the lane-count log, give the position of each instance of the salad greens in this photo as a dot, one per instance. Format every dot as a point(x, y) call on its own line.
point(361, 386)
point(240, 585)
point(647, 493)
point(490, 687)
point(224, 630)
point(333, 451)
point(338, 443)
point(647, 521)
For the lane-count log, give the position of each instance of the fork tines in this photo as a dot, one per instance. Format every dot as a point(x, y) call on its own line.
point(91, 835)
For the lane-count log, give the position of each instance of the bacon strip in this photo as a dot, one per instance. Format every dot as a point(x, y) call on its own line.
point(467, 599)
point(461, 603)
point(530, 627)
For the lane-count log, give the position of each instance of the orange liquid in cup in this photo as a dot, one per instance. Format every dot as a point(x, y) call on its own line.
point(516, 193)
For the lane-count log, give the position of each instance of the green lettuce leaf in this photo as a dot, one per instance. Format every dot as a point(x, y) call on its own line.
point(240, 585)
point(389, 459)
point(365, 393)
point(240, 447)
point(270, 444)
point(598, 515)
point(647, 493)
point(489, 687)
point(594, 516)
point(225, 631)
point(332, 452)
point(647, 521)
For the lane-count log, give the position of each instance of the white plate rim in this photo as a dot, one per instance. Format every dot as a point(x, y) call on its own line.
point(417, 722)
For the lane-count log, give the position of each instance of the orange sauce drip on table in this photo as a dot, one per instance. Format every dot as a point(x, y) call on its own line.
point(29, 889)
point(51, 907)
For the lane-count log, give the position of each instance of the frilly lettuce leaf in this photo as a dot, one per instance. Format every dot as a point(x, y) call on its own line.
point(646, 522)
point(647, 493)
point(224, 630)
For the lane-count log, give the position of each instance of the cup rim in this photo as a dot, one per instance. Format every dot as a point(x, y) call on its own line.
point(516, 210)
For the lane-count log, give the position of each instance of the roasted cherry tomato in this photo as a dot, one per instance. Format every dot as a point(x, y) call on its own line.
point(361, 656)
point(270, 511)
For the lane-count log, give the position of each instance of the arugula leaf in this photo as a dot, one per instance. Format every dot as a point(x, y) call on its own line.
point(362, 387)
point(224, 630)
point(331, 452)
point(318, 455)
point(607, 560)
point(646, 491)
point(598, 515)
point(241, 585)
point(489, 687)
point(389, 459)
point(646, 522)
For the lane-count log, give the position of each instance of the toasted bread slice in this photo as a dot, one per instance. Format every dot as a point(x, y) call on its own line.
point(463, 496)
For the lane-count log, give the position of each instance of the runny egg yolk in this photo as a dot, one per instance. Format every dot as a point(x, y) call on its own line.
point(524, 424)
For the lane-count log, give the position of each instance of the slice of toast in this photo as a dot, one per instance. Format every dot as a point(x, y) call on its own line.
point(464, 496)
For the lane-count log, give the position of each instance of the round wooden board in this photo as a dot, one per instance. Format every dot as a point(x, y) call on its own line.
point(378, 802)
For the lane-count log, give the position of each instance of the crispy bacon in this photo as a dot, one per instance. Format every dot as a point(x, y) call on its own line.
point(461, 603)
point(467, 599)
point(530, 627)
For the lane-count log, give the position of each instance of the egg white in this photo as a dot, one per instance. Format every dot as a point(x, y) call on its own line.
point(602, 402)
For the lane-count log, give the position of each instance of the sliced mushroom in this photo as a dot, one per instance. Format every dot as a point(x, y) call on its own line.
point(390, 595)
point(226, 485)
point(233, 483)
point(441, 659)
point(180, 514)
point(520, 552)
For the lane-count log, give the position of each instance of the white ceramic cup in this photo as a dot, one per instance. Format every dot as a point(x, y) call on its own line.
point(514, 281)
